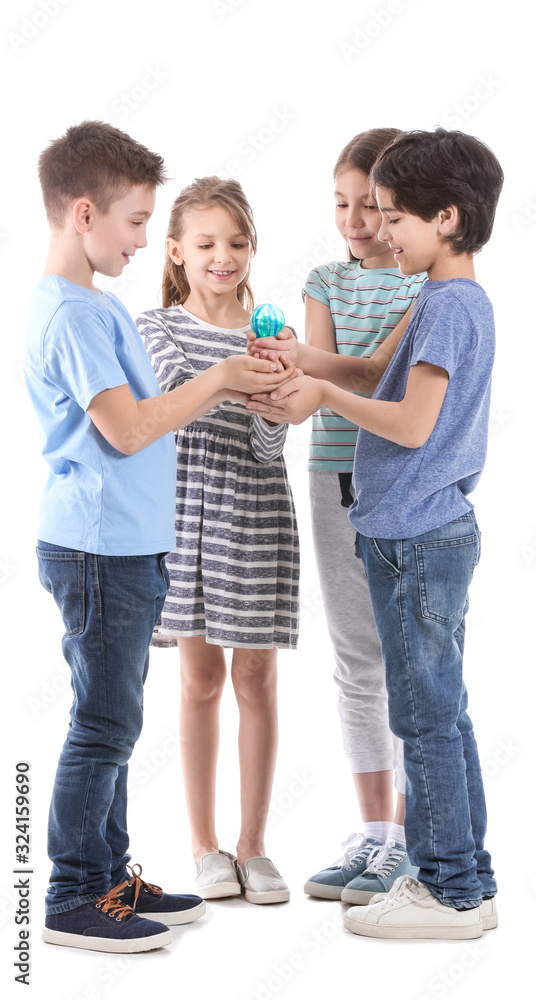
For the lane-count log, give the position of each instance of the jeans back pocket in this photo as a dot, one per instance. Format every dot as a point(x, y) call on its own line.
point(444, 571)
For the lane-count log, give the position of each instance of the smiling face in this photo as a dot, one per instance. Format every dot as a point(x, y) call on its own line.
point(213, 251)
point(358, 219)
point(418, 245)
point(112, 238)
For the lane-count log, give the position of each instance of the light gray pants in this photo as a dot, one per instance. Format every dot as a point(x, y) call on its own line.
point(359, 670)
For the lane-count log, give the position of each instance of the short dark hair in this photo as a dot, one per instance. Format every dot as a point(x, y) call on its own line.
point(428, 171)
point(97, 160)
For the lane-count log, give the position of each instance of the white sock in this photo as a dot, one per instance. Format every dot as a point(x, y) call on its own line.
point(379, 830)
point(397, 833)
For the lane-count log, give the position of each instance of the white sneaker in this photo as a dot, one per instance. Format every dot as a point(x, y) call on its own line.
point(490, 918)
point(262, 882)
point(410, 910)
point(216, 876)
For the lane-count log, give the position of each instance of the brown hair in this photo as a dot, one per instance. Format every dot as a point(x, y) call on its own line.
point(428, 171)
point(206, 191)
point(97, 160)
point(362, 152)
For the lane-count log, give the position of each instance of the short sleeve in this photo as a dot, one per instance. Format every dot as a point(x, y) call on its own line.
point(445, 334)
point(79, 354)
point(317, 285)
point(170, 364)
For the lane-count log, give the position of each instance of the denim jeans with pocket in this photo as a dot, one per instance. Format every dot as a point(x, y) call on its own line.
point(418, 589)
point(109, 606)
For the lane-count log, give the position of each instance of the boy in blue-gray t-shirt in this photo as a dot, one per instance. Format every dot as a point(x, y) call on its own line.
point(420, 451)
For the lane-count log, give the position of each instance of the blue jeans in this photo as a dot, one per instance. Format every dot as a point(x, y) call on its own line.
point(418, 588)
point(109, 606)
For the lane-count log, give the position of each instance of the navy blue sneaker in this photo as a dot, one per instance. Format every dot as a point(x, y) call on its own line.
point(330, 882)
point(152, 902)
point(106, 924)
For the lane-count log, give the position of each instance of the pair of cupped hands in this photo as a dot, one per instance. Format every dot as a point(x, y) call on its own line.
point(271, 364)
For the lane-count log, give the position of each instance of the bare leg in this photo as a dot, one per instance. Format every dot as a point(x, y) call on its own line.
point(375, 794)
point(254, 674)
point(203, 673)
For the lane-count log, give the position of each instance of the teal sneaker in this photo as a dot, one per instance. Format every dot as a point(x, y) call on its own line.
point(358, 853)
point(385, 867)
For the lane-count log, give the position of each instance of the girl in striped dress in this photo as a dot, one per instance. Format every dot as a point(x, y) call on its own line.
point(234, 572)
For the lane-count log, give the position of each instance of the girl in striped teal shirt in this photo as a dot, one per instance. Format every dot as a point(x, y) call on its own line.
point(351, 308)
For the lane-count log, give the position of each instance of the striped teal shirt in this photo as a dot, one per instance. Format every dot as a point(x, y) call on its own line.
point(365, 304)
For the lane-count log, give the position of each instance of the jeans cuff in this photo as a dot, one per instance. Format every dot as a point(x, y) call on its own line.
point(73, 902)
point(457, 904)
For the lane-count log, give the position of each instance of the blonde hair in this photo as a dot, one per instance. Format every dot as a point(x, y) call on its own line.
point(206, 191)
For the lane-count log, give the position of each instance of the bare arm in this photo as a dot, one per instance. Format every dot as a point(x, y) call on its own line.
point(408, 423)
point(356, 374)
point(319, 326)
point(130, 425)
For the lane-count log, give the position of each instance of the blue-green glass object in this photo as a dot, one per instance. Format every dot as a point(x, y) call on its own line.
point(267, 320)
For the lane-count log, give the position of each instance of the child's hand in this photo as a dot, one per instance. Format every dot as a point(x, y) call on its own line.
point(274, 348)
point(249, 375)
point(290, 403)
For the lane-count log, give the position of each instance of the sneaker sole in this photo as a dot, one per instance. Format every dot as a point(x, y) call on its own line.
point(122, 946)
point(273, 896)
point(358, 896)
point(399, 933)
point(488, 923)
point(176, 917)
point(323, 891)
point(219, 890)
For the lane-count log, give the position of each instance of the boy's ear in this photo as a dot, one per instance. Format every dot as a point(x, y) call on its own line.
point(81, 214)
point(448, 219)
point(173, 251)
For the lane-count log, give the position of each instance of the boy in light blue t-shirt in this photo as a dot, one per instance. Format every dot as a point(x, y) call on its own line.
point(420, 451)
point(106, 522)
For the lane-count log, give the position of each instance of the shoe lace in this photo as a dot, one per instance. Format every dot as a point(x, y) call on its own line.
point(355, 848)
point(386, 859)
point(112, 904)
point(404, 885)
point(140, 883)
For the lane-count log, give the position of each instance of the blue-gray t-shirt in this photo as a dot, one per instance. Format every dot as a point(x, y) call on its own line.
point(402, 492)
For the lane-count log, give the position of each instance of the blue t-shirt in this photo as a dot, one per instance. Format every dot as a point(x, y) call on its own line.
point(96, 499)
point(403, 492)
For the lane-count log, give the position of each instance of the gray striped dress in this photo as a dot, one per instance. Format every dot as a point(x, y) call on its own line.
point(234, 572)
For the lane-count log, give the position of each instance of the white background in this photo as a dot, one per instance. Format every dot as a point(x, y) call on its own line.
point(200, 82)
